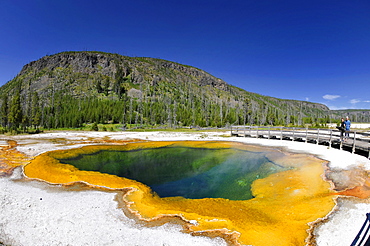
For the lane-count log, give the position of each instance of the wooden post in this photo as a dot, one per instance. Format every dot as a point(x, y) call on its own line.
point(269, 133)
point(306, 134)
point(354, 142)
point(231, 129)
point(331, 133)
point(293, 134)
point(318, 136)
point(281, 133)
point(244, 131)
point(257, 131)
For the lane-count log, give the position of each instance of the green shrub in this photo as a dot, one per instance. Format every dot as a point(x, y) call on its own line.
point(94, 127)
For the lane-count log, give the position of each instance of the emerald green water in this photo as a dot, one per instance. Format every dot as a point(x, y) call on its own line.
point(184, 171)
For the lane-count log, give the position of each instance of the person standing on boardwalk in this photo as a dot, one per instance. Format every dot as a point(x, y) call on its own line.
point(342, 128)
point(348, 127)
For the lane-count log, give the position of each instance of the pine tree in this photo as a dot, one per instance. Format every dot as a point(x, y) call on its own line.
point(15, 111)
point(4, 110)
point(35, 110)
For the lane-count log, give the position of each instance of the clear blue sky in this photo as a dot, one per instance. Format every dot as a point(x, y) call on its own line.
point(316, 50)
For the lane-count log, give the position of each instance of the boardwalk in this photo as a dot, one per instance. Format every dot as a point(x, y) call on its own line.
point(358, 142)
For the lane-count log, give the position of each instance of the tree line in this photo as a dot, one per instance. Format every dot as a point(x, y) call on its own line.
point(165, 105)
point(56, 93)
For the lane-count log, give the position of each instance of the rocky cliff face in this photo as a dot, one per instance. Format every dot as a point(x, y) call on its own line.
point(139, 69)
point(80, 62)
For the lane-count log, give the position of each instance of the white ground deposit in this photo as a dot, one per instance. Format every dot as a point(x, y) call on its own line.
point(36, 213)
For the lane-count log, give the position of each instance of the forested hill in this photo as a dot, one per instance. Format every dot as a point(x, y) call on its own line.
point(72, 88)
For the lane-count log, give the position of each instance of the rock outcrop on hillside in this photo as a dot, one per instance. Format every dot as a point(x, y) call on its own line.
point(108, 64)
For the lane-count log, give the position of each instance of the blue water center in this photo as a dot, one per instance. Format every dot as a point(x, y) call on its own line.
point(184, 171)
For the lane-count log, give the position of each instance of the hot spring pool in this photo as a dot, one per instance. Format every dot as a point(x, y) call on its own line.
point(184, 171)
point(247, 191)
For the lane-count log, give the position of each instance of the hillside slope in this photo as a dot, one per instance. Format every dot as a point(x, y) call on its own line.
point(72, 88)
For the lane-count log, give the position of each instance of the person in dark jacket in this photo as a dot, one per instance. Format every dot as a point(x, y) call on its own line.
point(341, 128)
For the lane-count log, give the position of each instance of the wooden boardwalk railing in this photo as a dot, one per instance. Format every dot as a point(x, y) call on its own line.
point(358, 142)
point(362, 238)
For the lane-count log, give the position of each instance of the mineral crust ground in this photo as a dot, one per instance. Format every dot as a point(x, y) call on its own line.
point(102, 213)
